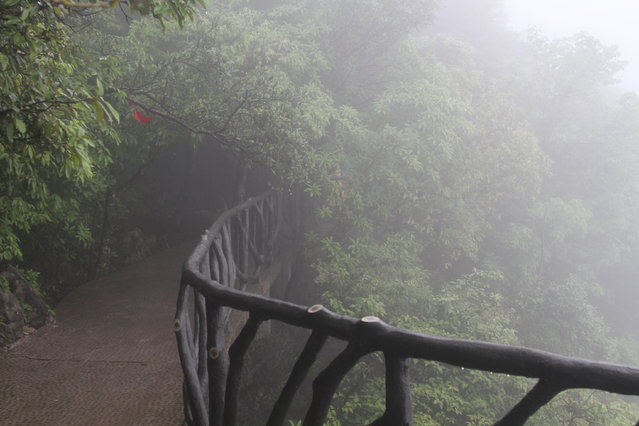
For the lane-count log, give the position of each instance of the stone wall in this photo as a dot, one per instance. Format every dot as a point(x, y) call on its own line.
point(22, 309)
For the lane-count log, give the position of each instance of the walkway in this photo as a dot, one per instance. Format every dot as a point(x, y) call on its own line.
point(110, 358)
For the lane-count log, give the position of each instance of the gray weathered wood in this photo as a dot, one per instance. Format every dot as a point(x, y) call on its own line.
point(326, 383)
point(217, 364)
point(306, 359)
point(196, 410)
point(542, 393)
point(236, 355)
point(399, 408)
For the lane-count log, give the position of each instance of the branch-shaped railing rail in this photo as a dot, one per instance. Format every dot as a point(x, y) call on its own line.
point(238, 246)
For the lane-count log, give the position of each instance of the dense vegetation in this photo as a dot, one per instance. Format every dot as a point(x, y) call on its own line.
point(459, 180)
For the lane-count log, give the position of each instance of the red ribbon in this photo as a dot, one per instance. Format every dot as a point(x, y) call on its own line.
point(140, 117)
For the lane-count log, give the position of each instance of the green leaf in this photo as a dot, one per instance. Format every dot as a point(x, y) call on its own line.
point(100, 87)
point(99, 112)
point(10, 130)
point(113, 111)
point(4, 62)
point(25, 13)
point(22, 128)
point(58, 11)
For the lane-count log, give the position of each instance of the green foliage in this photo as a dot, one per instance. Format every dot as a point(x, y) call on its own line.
point(4, 283)
point(49, 115)
point(389, 267)
point(33, 277)
point(496, 228)
point(449, 189)
point(585, 407)
point(263, 98)
point(174, 10)
point(58, 131)
point(178, 10)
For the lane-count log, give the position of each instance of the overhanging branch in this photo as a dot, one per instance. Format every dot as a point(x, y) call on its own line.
point(80, 5)
point(215, 135)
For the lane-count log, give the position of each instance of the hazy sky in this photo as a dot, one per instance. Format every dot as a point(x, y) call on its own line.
point(614, 22)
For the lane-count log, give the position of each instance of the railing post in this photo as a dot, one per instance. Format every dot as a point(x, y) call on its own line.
point(539, 395)
point(306, 359)
point(245, 242)
point(399, 409)
point(217, 364)
point(326, 383)
point(236, 356)
point(196, 404)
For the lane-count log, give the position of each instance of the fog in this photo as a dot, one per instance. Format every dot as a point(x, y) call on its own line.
point(437, 167)
point(614, 22)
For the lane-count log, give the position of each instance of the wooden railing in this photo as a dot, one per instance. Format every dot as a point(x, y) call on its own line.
point(239, 247)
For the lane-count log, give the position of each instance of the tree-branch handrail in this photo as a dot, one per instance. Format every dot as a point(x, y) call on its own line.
point(556, 373)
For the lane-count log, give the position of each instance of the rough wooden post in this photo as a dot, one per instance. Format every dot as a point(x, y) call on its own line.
point(245, 242)
point(236, 355)
point(326, 383)
point(539, 395)
point(217, 364)
point(399, 409)
point(195, 403)
point(304, 362)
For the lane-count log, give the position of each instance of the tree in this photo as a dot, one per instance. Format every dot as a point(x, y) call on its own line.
point(438, 195)
point(56, 126)
point(49, 116)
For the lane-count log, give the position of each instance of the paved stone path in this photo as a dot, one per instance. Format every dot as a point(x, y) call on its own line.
point(109, 359)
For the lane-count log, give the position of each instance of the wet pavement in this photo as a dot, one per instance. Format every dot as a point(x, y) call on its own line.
point(109, 358)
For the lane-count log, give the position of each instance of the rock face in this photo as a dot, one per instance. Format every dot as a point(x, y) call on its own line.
point(22, 309)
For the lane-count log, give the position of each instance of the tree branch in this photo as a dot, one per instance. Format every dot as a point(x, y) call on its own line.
point(214, 134)
point(99, 4)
